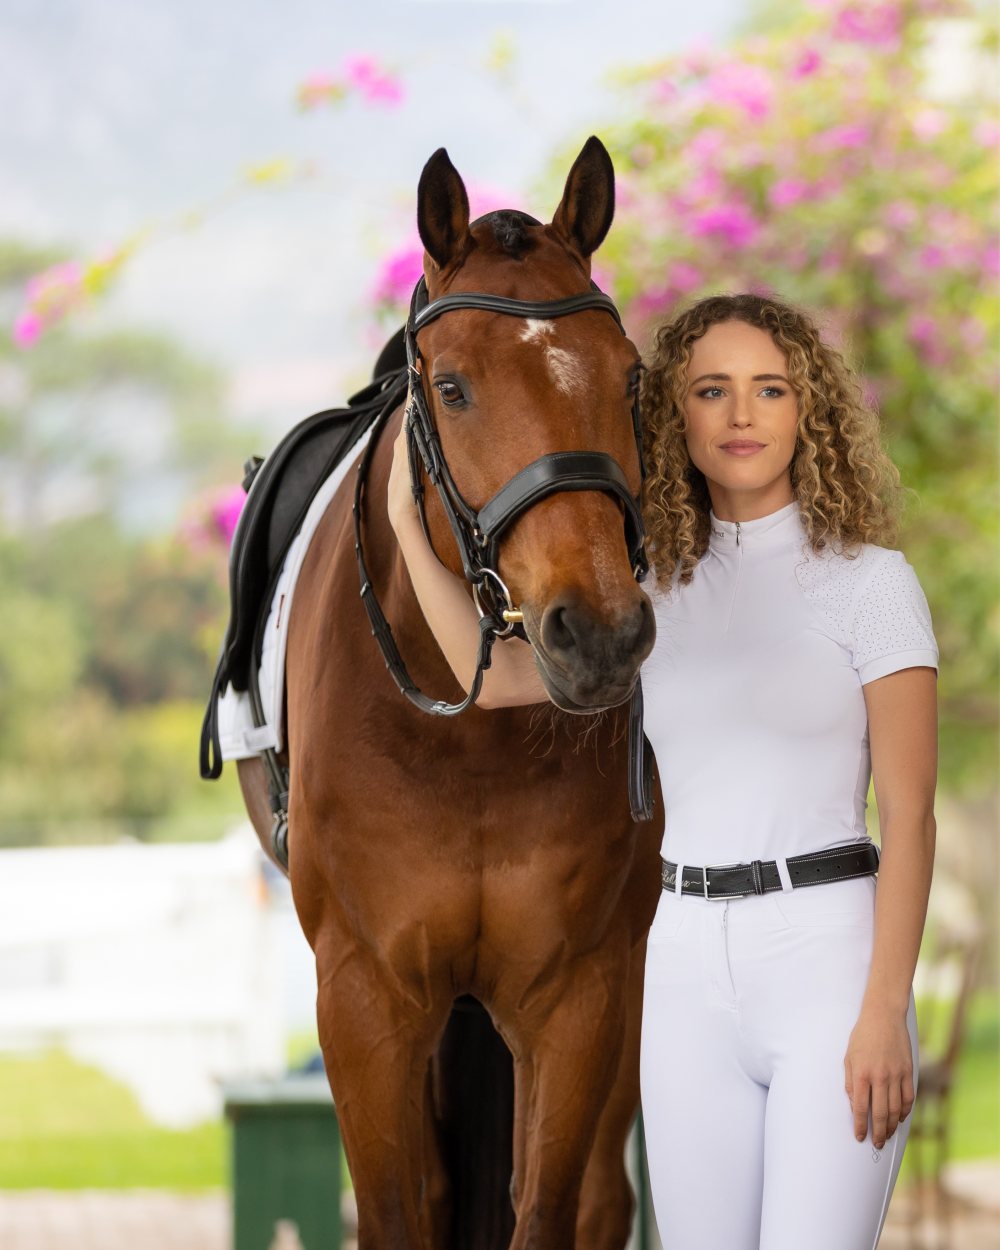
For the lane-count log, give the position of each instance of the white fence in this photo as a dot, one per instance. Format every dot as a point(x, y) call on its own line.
point(170, 967)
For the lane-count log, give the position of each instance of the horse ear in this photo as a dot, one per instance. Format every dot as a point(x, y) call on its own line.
point(442, 209)
point(587, 207)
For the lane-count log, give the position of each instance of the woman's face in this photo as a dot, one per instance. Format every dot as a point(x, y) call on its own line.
point(741, 416)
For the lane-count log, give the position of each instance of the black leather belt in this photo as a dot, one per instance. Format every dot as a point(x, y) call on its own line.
point(760, 876)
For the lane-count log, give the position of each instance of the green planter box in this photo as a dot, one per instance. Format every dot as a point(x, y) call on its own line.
point(285, 1162)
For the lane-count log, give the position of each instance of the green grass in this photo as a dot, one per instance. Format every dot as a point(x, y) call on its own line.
point(65, 1125)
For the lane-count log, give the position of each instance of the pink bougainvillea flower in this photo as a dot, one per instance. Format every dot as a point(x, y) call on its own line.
point(401, 269)
point(360, 73)
point(705, 185)
point(788, 191)
point(933, 256)
point(51, 294)
point(486, 199)
point(604, 278)
point(225, 511)
point(706, 143)
point(900, 214)
point(929, 123)
point(624, 195)
point(664, 89)
point(848, 135)
point(925, 333)
point(27, 329)
point(372, 81)
point(877, 25)
point(748, 87)
point(733, 222)
point(653, 300)
point(808, 63)
point(398, 275)
point(685, 277)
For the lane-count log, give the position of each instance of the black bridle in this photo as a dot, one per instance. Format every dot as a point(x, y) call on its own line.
point(477, 533)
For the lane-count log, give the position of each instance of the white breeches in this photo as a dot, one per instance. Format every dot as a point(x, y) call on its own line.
point(749, 1004)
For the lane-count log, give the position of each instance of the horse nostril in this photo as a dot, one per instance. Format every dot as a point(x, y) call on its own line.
point(558, 635)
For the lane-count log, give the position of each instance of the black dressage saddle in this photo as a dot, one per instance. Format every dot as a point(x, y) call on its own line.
point(280, 490)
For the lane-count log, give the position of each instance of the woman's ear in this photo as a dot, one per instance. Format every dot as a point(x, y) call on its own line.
point(443, 210)
point(587, 207)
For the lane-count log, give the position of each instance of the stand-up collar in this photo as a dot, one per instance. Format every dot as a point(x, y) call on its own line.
point(762, 532)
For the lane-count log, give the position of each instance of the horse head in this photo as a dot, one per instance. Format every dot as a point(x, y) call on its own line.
point(506, 390)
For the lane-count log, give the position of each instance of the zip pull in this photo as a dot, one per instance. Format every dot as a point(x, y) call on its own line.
point(737, 533)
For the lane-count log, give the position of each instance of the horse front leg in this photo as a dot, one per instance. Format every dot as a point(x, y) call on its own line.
point(567, 1057)
point(607, 1202)
point(377, 1041)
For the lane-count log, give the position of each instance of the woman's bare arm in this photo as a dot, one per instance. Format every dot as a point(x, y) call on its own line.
point(903, 729)
point(446, 601)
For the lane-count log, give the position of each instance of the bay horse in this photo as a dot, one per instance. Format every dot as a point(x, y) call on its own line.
point(478, 908)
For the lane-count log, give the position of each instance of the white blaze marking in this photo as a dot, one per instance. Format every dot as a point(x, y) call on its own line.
point(536, 329)
point(565, 368)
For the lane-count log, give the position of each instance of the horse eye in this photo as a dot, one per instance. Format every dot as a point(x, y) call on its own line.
point(450, 392)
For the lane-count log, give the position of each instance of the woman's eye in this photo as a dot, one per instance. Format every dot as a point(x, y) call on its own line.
point(706, 390)
point(450, 393)
point(776, 389)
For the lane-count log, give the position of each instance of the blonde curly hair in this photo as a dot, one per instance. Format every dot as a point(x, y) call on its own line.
point(847, 487)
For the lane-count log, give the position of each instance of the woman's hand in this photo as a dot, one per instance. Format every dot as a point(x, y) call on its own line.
point(879, 1065)
point(401, 505)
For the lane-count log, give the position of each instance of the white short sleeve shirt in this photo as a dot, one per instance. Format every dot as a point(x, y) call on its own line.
point(753, 691)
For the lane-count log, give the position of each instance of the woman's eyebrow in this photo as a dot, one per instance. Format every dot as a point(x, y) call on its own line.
point(758, 377)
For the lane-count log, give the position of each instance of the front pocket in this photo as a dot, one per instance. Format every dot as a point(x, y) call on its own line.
point(671, 913)
point(850, 902)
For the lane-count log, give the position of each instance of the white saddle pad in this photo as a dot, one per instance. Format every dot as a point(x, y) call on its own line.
point(239, 737)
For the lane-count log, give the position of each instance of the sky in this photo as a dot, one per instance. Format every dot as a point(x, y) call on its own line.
point(119, 116)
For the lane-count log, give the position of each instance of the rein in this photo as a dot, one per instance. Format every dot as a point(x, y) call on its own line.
point(477, 533)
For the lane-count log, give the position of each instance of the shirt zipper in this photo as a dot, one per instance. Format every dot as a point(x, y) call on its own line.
point(736, 579)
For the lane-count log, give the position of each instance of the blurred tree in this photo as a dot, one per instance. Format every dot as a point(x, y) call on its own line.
point(127, 422)
point(110, 633)
point(815, 159)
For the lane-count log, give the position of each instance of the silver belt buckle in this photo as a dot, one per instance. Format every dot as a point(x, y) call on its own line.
point(736, 863)
point(704, 881)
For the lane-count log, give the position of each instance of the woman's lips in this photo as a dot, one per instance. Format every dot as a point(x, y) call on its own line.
point(742, 449)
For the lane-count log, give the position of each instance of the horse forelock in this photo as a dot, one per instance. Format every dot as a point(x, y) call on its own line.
point(511, 230)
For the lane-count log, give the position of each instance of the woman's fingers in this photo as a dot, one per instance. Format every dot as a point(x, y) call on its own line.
point(880, 1113)
point(400, 491)
point(908, 1095)
point(860, 1096)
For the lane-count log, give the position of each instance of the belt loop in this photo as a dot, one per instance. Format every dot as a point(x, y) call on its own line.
point(679, 883)
point(784, 874)
point(704, 880)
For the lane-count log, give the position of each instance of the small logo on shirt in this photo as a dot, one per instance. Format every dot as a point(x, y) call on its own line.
point(876, 1155)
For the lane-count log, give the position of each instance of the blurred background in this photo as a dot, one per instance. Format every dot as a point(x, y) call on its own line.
point(207, 231)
